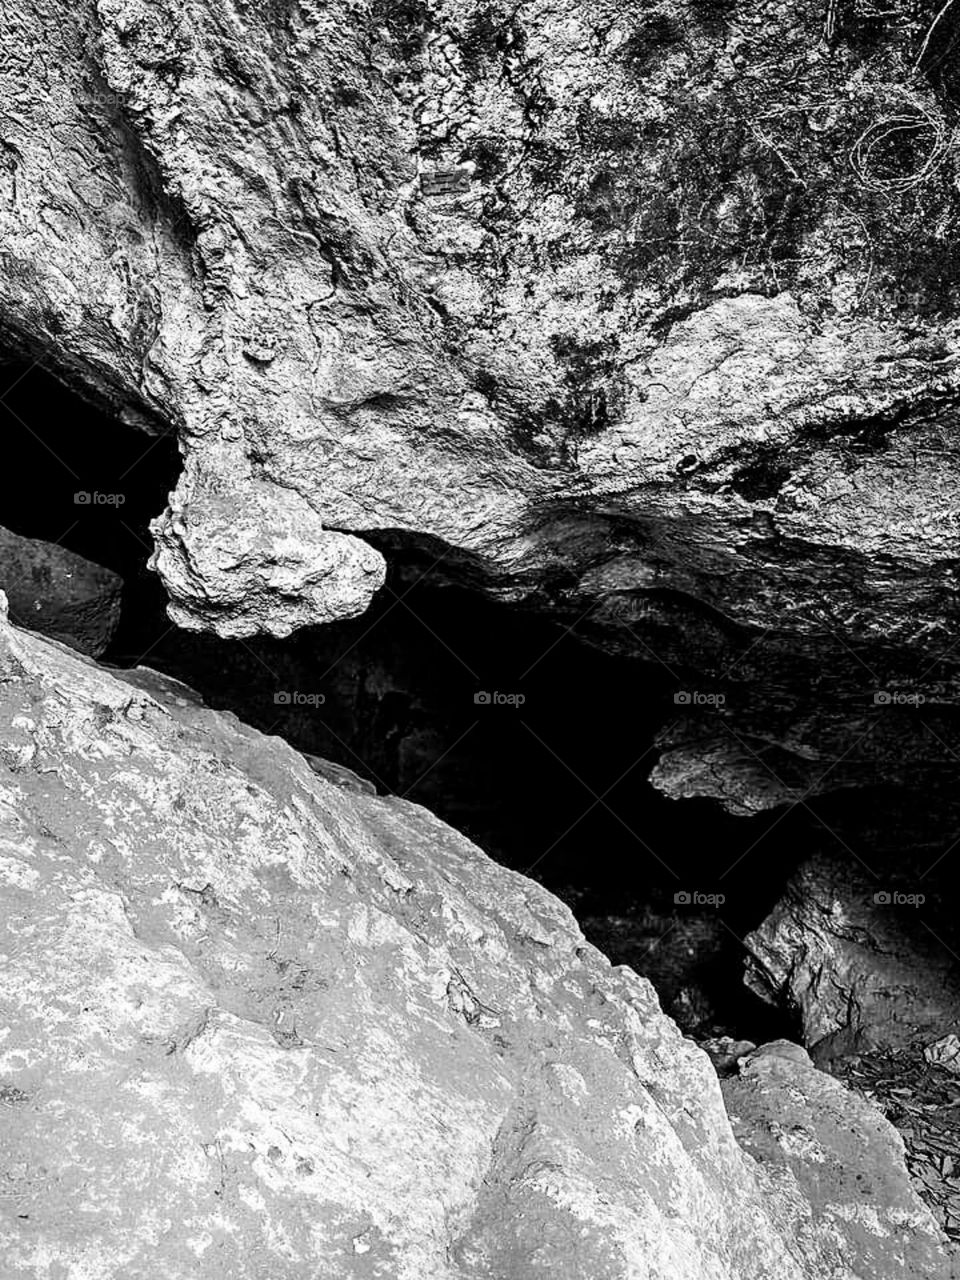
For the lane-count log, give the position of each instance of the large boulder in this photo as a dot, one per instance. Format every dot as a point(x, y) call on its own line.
point(859, 958)
point(835, 1150)
point(254, 1023)
point(55, 591)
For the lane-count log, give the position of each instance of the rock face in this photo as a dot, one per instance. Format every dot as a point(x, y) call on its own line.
point(813, 1137)
point(59, 593)
point(255, 1023)
point(860, 964)
point(650, 315)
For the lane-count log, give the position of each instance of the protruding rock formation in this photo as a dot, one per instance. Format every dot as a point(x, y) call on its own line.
point(820, 1142)
point(857, 959)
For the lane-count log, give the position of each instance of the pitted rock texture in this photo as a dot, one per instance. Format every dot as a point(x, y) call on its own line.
point(253, 552)
point(253, 1023)
point(646, 315)
point(59, 593)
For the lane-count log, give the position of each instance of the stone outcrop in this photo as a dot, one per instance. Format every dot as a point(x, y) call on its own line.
point(645, 318)
point(861, 964)
point(252, 1022)
point(53, 590)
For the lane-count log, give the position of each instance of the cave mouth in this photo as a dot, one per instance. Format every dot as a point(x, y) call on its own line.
point(531, 742)
point(82, 479)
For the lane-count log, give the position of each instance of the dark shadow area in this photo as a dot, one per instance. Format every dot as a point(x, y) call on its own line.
point(529, 742)
point(79, 478)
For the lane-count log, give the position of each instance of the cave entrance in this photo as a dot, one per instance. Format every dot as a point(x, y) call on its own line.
point(533, 744)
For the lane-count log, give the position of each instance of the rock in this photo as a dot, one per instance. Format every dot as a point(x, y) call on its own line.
point(853, 961)
point(783, 1049)
point(56, 592)
point(255, 1024)
point(676, 368)
point(267, 557)
point(945, 1053)
point(817, 1141)
point(340, 776)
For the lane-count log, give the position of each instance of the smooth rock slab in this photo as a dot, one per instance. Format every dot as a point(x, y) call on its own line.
point(254, 1025)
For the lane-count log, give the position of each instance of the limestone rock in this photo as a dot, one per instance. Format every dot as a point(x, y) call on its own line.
point(59, 593)
point(241, 557)
point(340, 775)
point(254, 1024)
point(783, 1049)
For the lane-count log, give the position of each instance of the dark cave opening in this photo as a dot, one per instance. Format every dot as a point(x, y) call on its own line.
point(65, 448)
point(532, 743)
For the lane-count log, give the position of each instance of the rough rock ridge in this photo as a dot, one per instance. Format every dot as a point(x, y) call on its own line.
point(853, 962)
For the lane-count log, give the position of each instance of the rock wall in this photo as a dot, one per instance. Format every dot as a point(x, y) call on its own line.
point(643, 314)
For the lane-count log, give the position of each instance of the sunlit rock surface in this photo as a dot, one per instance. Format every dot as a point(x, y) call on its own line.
point(254, 1023)
point(836, 1152)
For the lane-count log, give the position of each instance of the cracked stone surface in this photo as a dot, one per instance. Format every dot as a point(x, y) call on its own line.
point(857, 958)
point(252, 1022)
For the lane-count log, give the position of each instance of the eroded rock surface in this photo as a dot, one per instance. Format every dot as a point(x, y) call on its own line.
point(59, 593)
point(646, 315)
point(254, 1023)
